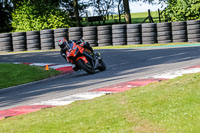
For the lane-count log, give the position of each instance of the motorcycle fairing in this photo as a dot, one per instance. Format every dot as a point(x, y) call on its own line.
point(82, 58)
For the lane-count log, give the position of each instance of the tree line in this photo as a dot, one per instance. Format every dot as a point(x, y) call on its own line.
point(27, 15)
point(181, 10)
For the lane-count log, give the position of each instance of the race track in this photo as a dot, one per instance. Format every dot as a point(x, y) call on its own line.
point(122, 65)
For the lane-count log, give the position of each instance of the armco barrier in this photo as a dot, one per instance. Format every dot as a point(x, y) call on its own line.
point(107, 35)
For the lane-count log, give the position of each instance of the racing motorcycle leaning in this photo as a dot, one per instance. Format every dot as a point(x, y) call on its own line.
point(81, 55)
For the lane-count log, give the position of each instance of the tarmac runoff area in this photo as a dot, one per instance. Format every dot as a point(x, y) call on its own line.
point(121, 87)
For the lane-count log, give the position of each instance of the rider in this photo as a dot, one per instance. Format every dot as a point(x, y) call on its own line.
point(64, 47)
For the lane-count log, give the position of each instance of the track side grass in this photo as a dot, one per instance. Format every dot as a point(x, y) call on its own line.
point(15, 74)
point(135, 18)
point(168, 106)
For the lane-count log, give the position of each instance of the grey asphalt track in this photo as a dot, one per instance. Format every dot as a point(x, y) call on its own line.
point(122, 65)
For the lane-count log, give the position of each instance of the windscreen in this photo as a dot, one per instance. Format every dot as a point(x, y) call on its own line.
point(70, 45)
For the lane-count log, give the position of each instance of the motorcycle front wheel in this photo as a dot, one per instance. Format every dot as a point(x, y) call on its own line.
point(102, 66)
point(86, 66)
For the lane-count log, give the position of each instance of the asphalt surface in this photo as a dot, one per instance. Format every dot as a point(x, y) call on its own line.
point(122, 65)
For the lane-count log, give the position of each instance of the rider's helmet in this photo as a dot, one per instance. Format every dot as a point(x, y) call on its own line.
point(62, 42)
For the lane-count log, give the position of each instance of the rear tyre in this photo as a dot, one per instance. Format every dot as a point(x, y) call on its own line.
point(86, 66)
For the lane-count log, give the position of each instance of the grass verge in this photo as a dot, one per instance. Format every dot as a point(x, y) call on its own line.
point(135, 18)
point(169, 106)
point(15, 74)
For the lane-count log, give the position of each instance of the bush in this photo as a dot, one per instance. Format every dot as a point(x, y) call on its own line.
point(180, 10)
point(38, 15)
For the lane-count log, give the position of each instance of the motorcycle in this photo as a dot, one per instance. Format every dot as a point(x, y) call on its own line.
point(83, 57)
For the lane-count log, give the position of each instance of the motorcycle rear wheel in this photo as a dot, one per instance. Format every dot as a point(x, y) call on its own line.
point(86, 66)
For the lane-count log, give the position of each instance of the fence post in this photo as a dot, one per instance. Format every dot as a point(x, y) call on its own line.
point(150, 17)
point(88, 24)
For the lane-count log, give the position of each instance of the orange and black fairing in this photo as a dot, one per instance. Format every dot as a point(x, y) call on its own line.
point(83, 56)
point(73, 53)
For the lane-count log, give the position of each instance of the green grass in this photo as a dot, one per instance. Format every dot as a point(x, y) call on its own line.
point(144, 14)
point(135, 18)
point(139, 17)
point(168, 106)
point(15, 74)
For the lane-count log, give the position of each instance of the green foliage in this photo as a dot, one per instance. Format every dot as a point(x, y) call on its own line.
point(180, 10)
point(38, 15)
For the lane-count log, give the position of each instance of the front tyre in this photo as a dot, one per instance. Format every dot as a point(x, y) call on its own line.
point(86, 66)
point(102, 66)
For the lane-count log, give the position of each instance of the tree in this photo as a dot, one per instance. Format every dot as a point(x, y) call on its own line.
point(5, 21)
point(120, 9)
point(103, 7)
point(41, 14)
point(181, 10)
point(127, 13)
point(38, 15)
point(76, 12)
point(75, 9)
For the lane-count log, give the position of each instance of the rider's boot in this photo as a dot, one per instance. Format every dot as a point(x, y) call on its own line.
point(98, 55)
point(75, 67)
